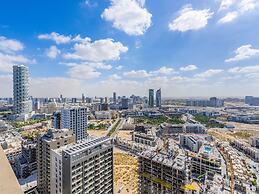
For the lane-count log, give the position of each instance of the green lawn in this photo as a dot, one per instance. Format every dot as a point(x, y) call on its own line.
point(208, 122)
point(159, 120)
point(19, 124)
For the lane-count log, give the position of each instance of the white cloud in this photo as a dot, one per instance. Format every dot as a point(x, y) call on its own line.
point(158, 79)
point(114, 77)
point(229, 17)
point(190, 19)
point(90, 3)
point(179, 79)
point(99, 50)
point(119, 67)
point(225, 4)
point(248, 5)
point(10, 45)
point(7, 61)
point(141, 2)
point(129, 16)
point(83, 72)
point(53, 52)
point(189, 68)
point(244, 70)
point(209, 73)
point(54, 36)
point(137, 74)
point(243, 52)
point(163, 70)
point(238, 8)
point(100, 66)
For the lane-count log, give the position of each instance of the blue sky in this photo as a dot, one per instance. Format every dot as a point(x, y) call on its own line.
point(188, 48)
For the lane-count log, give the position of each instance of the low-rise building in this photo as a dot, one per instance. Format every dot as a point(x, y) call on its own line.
point(174, 129)
point(252, 152)
point(148, 137)
point(192, 142)
point(102, 115)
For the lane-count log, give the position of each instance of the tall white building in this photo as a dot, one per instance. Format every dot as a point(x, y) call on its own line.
point(75, 119)
point(85, 167)
point(22, 103)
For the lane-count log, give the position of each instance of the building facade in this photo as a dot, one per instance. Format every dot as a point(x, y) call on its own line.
point(158, 98)
point(151, 98)
point(191, 141)
point(53, 139)
point(162, 173)
point(75, 119)
point(114, 98)
point(56, 120)
point(22, 103)
point(86, 167)
point(26, 164)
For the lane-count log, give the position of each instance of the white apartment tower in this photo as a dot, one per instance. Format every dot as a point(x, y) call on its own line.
point(85, 167)
point(22, 103)
point(75, 119)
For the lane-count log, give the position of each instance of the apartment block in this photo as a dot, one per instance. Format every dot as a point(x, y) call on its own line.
point(162, 172)
point(85, 167)
point(192, 142)
point(147, 137)
point(26, 163)
point(53, 139)
point(75, 119)
point(208, 159)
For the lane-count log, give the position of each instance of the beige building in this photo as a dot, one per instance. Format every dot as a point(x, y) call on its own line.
point(53, 139)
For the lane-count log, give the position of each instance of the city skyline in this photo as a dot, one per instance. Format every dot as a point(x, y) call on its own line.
point(89, 47)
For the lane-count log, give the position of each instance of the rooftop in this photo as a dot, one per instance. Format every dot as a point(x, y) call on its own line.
point(168, 158)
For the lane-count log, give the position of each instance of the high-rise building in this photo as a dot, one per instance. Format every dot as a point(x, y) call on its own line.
point(75, 119)
point(151, 98)
point(56, 120)
point(124, 103)
point(158, 98)
point(74, 100)
point(252, 101)
point(106, 100)
point(114, 98)
point(22, 103)
point(86, 167)
point(53, 139)
point(83, 98)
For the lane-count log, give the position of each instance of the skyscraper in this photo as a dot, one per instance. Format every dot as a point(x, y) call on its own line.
point(151, 98)
point(124, 103)
point(75, 119)
point(158, 98)
point(22, 103)
point(56, 120)
point(83, 98)
point(114, 98)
